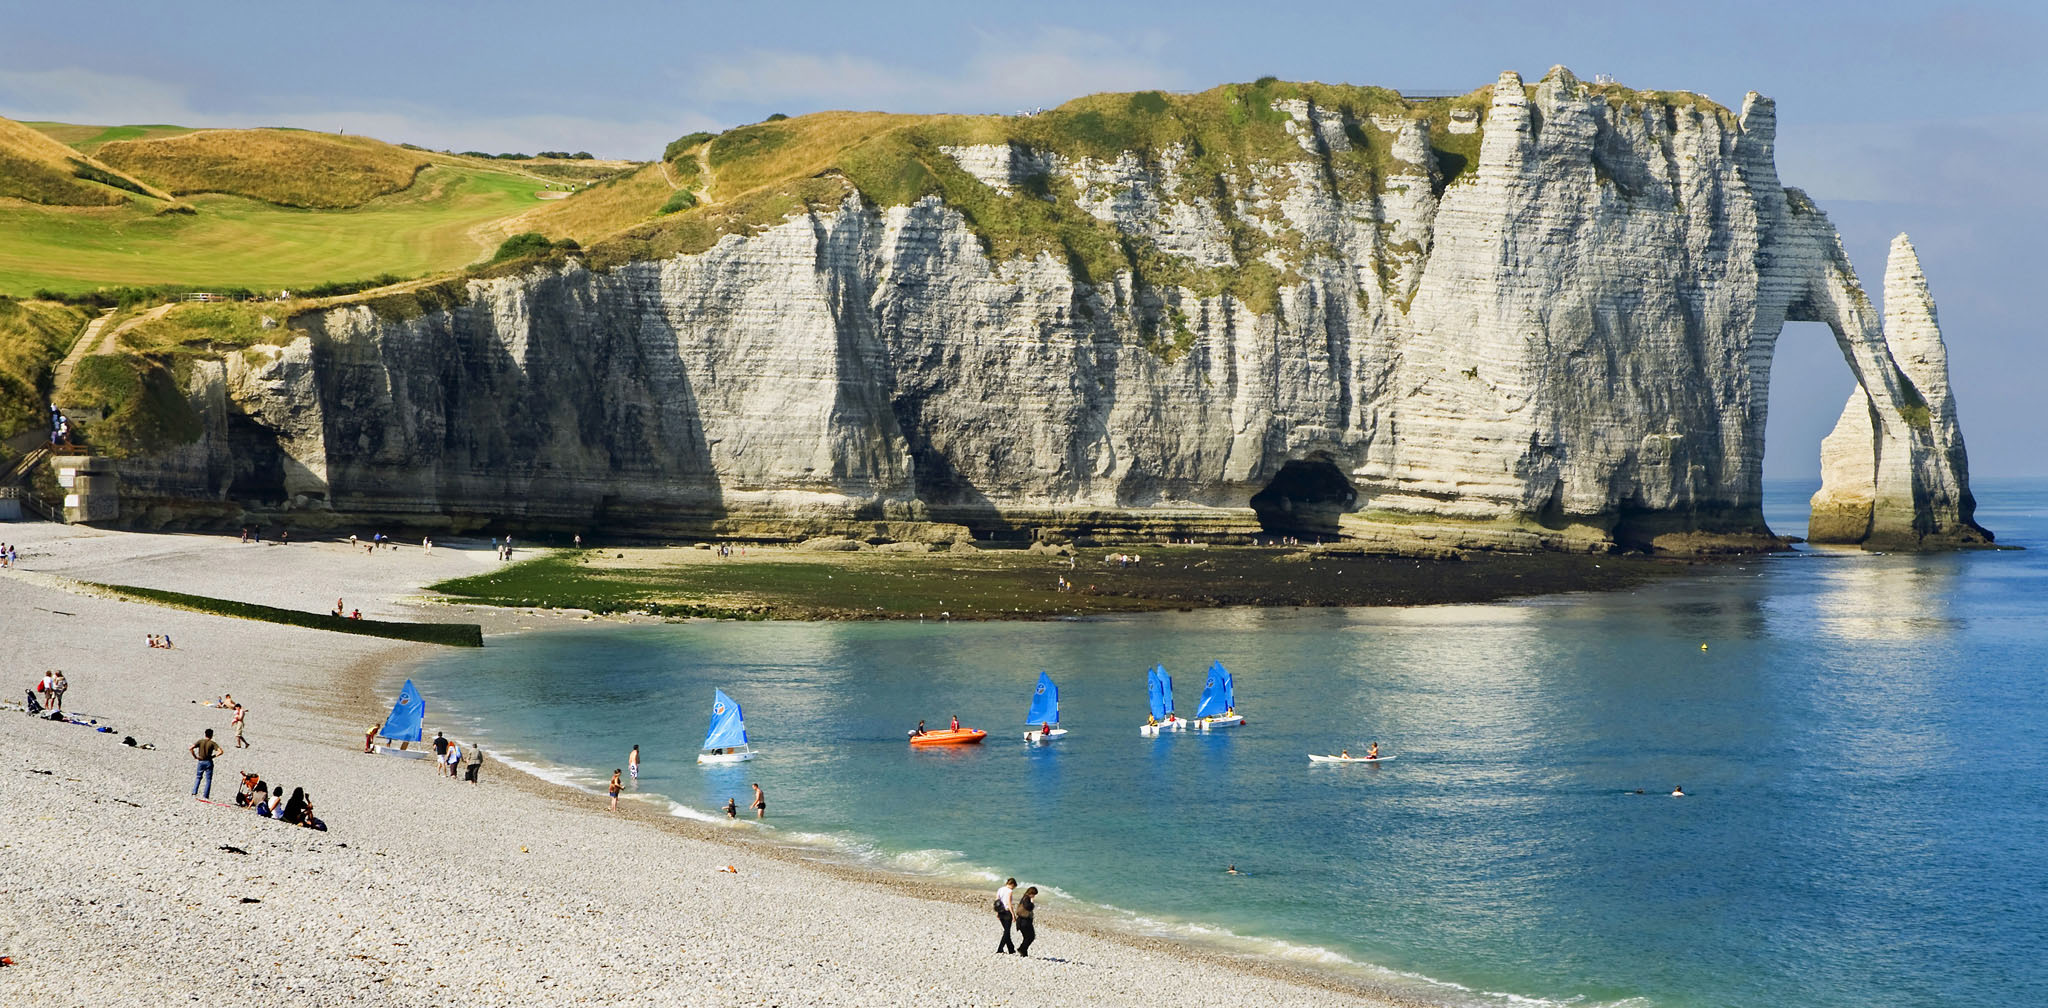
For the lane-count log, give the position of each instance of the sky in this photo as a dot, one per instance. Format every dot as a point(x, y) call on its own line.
point(1925, 118)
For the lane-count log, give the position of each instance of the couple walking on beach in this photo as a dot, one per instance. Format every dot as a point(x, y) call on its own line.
point(1020, 909)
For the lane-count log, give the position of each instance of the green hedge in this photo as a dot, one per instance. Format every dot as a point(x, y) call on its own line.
point(450, 634)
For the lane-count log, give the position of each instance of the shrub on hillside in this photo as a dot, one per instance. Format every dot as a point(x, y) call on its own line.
point(681, 145)
point(681, 200)
point(532, 243)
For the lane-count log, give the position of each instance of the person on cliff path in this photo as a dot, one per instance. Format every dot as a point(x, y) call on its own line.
point(614, 788)
point(1003, 895)
point(204, 751)
point(633, 765)
point(760, 803)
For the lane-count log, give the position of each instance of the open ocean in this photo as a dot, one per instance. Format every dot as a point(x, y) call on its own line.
point(1863, 742)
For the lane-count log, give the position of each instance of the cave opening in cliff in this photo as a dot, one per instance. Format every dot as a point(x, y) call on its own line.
point(1306, 497)
point(258, 475)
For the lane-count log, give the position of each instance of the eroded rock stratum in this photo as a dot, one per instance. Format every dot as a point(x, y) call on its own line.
point(1564, 341)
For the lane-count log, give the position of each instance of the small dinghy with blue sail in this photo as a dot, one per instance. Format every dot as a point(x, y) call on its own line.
point(1044, 715)
point(404, 725)
point(727, 740)
point(1159, 692)
point(1218, 708)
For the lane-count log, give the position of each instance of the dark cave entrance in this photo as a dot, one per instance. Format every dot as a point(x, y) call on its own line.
point(1305, 498)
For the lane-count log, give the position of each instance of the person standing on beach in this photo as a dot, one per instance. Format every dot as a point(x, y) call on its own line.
point(440, 752)
point(615, 789)
point(760, 803)
point(204, 751)
point(241, 721)
point(1003, 895)
point(454, 761)
point(633, 765)
point(58, 684)
point(1027, 929)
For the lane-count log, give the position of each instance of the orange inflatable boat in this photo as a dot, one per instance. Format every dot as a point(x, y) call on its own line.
point(949, 736)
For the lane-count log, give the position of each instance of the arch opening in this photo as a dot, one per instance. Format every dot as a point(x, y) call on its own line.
point(1307, 497)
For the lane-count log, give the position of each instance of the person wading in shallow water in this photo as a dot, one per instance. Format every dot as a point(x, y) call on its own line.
point(760, 803)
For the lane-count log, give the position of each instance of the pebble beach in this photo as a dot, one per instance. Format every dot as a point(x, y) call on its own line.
point(124, 889)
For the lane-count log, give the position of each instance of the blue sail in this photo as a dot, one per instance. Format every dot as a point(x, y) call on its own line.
point(728, 727)
point(1045, 703)
point(1215, 692)
point(1229, 686)
point(1159, 689)
point(407, 715)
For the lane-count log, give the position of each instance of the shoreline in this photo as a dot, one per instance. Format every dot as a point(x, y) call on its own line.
point(422, 886)
point(381, 677)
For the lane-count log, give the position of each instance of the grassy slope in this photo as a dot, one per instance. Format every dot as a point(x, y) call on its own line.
point(34, 336)
point(40, 170)
point(291, 168)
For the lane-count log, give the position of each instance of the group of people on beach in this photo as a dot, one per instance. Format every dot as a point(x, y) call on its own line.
point(448, 759)
point(1019, 910)
point(9, 556)
point(272, 803)
point(269, 802)
point(254, 534)
point(48, 693)
point(159, 640)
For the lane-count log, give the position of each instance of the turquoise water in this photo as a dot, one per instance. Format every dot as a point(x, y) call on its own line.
point(1861, 742)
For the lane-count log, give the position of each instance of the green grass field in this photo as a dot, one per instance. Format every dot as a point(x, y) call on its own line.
point(438, 225)
point(87, 139)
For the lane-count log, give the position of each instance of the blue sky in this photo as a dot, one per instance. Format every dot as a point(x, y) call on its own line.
point(1921, 118)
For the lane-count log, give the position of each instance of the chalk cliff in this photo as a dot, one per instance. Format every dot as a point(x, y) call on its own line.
point(1541, 317)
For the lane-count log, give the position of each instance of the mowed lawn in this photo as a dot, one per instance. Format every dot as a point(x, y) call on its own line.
point(235, 242)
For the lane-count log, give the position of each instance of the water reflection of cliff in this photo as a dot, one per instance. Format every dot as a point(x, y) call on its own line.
point(1865, 597)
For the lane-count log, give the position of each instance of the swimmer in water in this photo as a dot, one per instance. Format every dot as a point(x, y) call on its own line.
point(1677, 791)
point(1232, 870)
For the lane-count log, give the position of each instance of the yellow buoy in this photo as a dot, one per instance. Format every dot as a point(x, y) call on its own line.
point(1703, 645)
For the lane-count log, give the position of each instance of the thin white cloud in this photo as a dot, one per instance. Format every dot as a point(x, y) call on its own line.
point(78, 95)
point(998, 75)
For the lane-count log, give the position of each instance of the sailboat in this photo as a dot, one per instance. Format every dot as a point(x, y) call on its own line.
point(1044, 715)
point(1218, 708)
point(405, 725)
point(726, 742)
point(1159, 691)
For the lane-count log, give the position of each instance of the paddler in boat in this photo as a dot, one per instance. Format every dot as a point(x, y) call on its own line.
point(920, 729)
point(1343, 754)
point(956, 722)
point(1372, 751)
point(1045, 729)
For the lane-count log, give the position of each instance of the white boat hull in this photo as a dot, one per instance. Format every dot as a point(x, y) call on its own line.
point(391, 750)
point(1151, 730)
point(731, 757)
point(1036, 736)
point(1211, 723)
point(1313, 758)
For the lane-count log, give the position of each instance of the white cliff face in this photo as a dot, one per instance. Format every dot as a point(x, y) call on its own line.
point(1567, 345)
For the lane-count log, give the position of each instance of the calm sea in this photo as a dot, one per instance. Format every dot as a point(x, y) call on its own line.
point(1861, 740)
